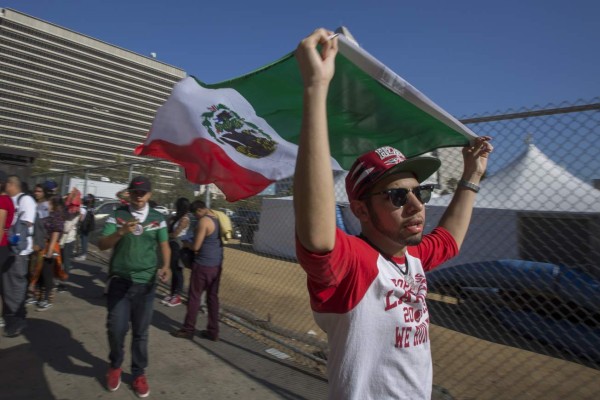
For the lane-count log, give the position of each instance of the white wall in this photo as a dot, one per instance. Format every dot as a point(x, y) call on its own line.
point(276, 228)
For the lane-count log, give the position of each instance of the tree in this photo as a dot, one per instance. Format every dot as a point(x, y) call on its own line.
point(119, 173)
point(181, 188)
point(43, 163)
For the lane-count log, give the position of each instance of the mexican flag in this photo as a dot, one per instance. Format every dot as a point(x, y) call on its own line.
point(242, 134)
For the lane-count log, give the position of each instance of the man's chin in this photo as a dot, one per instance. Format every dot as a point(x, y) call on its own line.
point(414, 240)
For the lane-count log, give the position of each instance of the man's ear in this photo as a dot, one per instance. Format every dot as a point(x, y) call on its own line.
point(360, 210)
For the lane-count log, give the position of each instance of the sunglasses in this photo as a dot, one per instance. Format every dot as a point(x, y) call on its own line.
point(138, 193)
point(399, 196)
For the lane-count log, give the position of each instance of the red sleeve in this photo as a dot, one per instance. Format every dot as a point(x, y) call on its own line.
point(436, 248)
point(6, 204)
point(338, 280)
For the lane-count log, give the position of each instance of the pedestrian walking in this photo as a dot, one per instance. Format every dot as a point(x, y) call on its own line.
point(135, 232)
point(16, 269)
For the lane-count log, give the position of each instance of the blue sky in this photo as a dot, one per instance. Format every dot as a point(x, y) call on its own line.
point(470, 57)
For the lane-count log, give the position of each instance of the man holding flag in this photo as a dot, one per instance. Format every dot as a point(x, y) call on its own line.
point(368, 292)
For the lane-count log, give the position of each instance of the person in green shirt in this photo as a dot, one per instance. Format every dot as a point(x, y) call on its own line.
point(134, 232)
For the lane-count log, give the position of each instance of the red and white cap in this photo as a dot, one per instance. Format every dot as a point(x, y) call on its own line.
point(375, 165)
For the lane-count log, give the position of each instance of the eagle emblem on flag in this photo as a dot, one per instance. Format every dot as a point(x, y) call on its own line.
point(227, 127)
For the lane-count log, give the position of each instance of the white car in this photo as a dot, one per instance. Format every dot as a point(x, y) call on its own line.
point(105, 209)
point(163, 210)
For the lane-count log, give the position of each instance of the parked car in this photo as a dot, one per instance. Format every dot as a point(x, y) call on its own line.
point(553, 304)
point(102, 211)
point(245, 223)
point(163, 210)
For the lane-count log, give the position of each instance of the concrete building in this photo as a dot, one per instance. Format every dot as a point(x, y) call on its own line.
point(76, 99)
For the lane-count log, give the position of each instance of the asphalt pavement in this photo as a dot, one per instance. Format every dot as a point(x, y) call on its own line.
point(63, 352)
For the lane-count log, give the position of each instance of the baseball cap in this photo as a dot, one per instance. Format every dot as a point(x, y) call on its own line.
point(377, 164)
point(50, 185)
point(140, 183)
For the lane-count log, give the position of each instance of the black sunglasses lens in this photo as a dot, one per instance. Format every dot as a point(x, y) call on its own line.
point(423, 193)
point(398, 197)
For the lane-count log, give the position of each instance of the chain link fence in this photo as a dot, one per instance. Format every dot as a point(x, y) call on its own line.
point(515, 316)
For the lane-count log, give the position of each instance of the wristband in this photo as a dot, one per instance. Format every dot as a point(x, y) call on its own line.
point(469, 185)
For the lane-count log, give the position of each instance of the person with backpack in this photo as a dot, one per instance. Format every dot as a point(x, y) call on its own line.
point(87, 224)
point(49, 265)
point(69, 236)
point(206, 273)
point(15, 270)
point(7, 212)
point(41, 194)
point(178, 233)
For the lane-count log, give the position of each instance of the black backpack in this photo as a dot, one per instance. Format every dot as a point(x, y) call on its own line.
point(89, 222)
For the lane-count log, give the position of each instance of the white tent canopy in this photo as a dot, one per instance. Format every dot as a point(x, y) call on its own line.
point(536, 183)
point(532, 185)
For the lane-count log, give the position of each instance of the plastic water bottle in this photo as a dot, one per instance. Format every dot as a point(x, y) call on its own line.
point(14, 239)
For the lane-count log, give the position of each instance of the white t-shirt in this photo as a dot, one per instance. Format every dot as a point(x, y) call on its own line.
point(43, 209)
point(69, 231)
point(184, 231)
point(26, 208)
point(82, 212)
point(375, 316)
point(140, 215)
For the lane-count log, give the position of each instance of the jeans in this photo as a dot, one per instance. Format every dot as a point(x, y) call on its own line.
point(14, 288)
point(204, 278)
point(67, 256)
point(84, 243)
point(128, 301)
point(47, 281)
point(177, 271)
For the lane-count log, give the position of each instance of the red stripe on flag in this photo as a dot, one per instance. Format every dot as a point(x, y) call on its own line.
point(205, 162)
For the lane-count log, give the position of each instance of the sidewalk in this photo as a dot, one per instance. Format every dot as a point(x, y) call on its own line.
point(63, 352)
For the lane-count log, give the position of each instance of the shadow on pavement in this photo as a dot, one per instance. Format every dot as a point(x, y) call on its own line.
point(88, 286)
point(246, 355)
point(22, 366)
point(23, 372)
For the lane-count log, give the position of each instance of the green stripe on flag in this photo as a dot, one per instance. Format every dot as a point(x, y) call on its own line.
point(363, 113)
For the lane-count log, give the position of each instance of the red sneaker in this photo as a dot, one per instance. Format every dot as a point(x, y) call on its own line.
point(140, 386)
point(166, 300)
point(174, 301)
point(113, 379)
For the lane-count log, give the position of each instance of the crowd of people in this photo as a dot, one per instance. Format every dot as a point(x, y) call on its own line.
point(37, 244)
point(36, 261)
